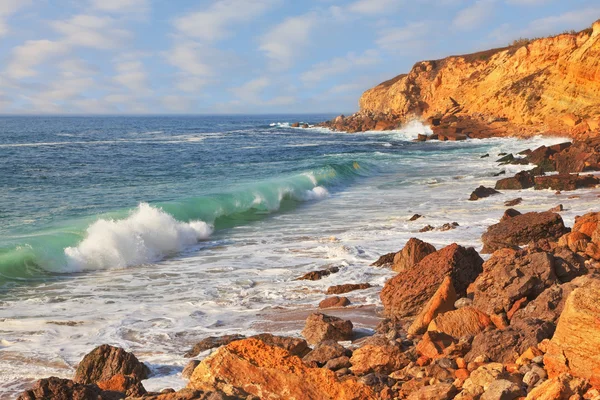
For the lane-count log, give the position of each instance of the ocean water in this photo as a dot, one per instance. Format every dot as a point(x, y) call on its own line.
point(152, 233)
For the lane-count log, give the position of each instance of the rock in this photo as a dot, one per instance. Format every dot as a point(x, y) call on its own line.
point(190, 394)
point(514, 202)
point(128, 385)
point(320, 327)
point(427, 228)
point(106, 361)
point(415, 217)
point(586, 224)
point(503, 172)
point(522, 180)
point(547, 306)
point(576, 158)
point(506, 159)
point(316, 275)
point(508, 214)
point(575, 346)
point(379, 355)
point(434, 344)
point(507, 345)
point(568, 264)
point(511, 275)
point(421, 137)
point(406, 294)
point(564, 182)
point(463, 302)
point(485, 156)
point(334, 301)
point(61, 389)
point(482, 192)
point(466, 321)
point(296, 346)
point(439, 391)
point(556, 208)
point(211, 342)
point(305, 126)
point(189, 369)
point(575, 241)
point(295, 125)
point(448, 226)
point(385, 260)
point(482, 377)
point(338, 363)
point(413, 252)
point(523, 229)
point(271, 372)
point(561, 387)
point(443, 300)
point(325, 351)
point(350, 287)
point(503, 389)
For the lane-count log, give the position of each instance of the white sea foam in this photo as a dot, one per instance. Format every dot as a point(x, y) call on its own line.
point(316, 193)
point(148, 234)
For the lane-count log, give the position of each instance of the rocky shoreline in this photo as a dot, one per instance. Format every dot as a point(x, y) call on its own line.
point(521, 324)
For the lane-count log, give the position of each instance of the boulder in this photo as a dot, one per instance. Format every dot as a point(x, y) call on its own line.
point(338, 363)
point(325, 351)
point(587, 224)
point(435, 344)
point(273, 373)
point(349, 287)
point(575, 346)
point(547, 306)
point(106, 361)
point(127, 385)
point(442, 301)
point(414, 251)
point(575, 241)
point(316, 275)
point(561, 387)
point(508, 214)
point(406, 294)
point(211, 342)
point(523, 229)
point(565, 182)
point(509, 276)
point(415, 217)
point(466, 321)
point(503, 389)
point(320, 327)
point(334, 302)
point(439, 391)
point(296, 346)
point(482, 192)
point(189, 369)
point(514, 202)
point(62, 389)
point(385, 260)
point(482, 377)
point(522, 180)
point(568, 264)
point(380, 355)
point(577, 158)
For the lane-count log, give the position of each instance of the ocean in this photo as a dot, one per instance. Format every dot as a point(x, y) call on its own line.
point(153, 233)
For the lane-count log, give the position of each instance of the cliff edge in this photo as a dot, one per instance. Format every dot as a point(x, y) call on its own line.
point(548, 85)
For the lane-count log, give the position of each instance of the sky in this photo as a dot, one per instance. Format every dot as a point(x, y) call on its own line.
point(243, 56)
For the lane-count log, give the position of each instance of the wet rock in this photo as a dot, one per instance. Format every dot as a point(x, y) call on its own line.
point(189, 369)
point(485, 156)
point(296, 346)
point(577, 158)
point(503, 172)
point(415, 217)
point(523, 229)
point(106, 361)
point(508, 214)
point(320, 327)
point(514, 202)
point(295, 125)
point(406, 294)
point(575, 346)
point(449, 226)
point(325, 351)
point(127, 385)
point(427, 228)
point(334, 302)
point(510, 275)
point(316, 275)
point(557, 208)
point(62, 389)
point(482, 192)
point(466, 321)
point(506, 159)
point(271, 372)
point(441, 302)
point(414, 251)
point(211, 342)
point(522, 180)
point(379, 355)
point(349, 287)
point(386, 260)
point(565, 182)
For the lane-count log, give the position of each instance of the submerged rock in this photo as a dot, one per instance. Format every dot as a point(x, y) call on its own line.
point(316, 275)
point(482, 192)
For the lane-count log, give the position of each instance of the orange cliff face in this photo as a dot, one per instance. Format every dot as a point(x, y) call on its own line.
point(550, 85)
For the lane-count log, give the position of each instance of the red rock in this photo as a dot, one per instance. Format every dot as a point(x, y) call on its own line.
point(512, 203)
point(462, 374)
point(189, 369)
point(316, 275)
point(522, 180)
point(407, 293)
point(559, 388)
point(271, 372)
point(439, 391)
point(442, 301)
point(517, 305)
point(482, 192)
point(326, 351)
point(523, 229)
point(433, 344)
point(575, 241)
point(413, 252)
point(106, 361)
point(466, 321)
point(334, 301)
point(349, 287)
point(320, 327)
point(576, 158)
point(62, 389)
point(385, 260)
point(565, 182)
point(586, 224)
point(211, 342)
point(123, 384)
point(378, 355)
point(508, 214)
point(296, 346)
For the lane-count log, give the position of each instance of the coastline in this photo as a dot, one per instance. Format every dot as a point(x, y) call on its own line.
point(365, 318)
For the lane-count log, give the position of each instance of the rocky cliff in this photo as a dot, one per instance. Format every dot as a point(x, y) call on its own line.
point(548, 85)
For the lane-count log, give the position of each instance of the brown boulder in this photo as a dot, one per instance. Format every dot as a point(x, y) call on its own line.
point(514, 202)
point(575, 241)
point(406, 294)
point(385, 260)
point(211, 342)
point(62, 389)
point(576, 158)
point(586, 224)
point(414, 251)
point(320, 327)
point(379, 355)
point(349, 287)
point(334, 301)
point(106, 361)
point(511, 275)
point(548, 305)
point(439, 391)
point(434, 344)
point(189, 369)
point(575, 346)
point(296, 346)
point(561, 387)
point(442, 301)
point(565, 182)
point(522, 180)
point(508, 214)
point(325, 351)
point(568, 264)
point(466, 321)
point(316, 275)
point(523, 229)
point(128, 385)
point(482, 192)
point(271, 372)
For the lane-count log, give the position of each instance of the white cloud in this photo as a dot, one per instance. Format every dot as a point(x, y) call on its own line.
point(373, 6)
point(214, 22)
point(528, 2)
point(251, 90)
point(121, 6)
point(133, 76)
point(91, 31)
point(339, 65)
point(176, 103)
point(285, 41)
point(406, 37)
point(32, 53)
point(7, 8)
point(474, 16)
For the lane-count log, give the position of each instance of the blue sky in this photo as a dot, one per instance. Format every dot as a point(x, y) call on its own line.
point(243, 56)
